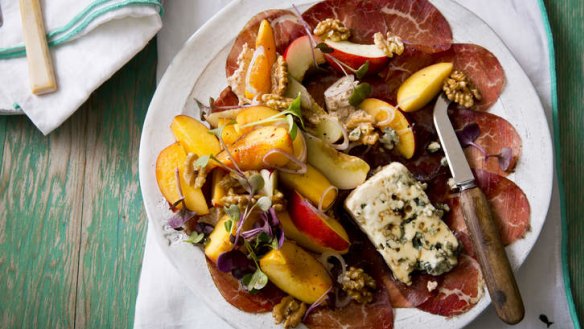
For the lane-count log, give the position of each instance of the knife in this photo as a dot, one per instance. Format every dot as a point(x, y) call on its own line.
point(484, 232)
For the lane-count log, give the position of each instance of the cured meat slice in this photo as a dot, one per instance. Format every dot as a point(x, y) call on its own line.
point(509, 206)
point(231, 290)
point(483, 69)
point(495, 134)
point(226, 98)
point(403, 296)
point(459, 291)
point(417, 22)
point(479, 65)
point(377, 315)
point(286, 28)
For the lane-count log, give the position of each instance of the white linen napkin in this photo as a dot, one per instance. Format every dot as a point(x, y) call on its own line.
point(164, 302)
point(90, 40)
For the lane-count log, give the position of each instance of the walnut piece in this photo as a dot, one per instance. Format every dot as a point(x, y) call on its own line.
point(332, 29)
point(390, 44)
point(358, 285)
point(361, 129)
point(276, 101)
point(459, 89)
point(238, 195)
point(290, 311)
point(279, 76)
point(193, 174)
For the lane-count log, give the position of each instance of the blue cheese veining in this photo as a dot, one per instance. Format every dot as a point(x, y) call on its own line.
point(393, 210)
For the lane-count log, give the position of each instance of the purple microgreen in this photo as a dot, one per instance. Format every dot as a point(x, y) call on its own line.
point(504, 158)
point(195, 238)
point(203, 228)
point(324, 48)
point(179, 218)
point(317, 303)
point(468, 134)
point(231, 260)
point(308, 33)
point(361, 91)
point(362, 70)
point(274, 220)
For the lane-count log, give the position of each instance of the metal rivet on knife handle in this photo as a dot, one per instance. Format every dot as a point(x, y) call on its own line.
point(40, 67)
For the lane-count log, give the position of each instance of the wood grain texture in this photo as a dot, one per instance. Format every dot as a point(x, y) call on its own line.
point(72, 224)
point(566, 19)
point(490, 254)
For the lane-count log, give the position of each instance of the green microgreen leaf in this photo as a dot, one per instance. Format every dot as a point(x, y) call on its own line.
point(195, 238)
point(202, 161)
point(264, 203)
point(324, 48)
point(228, 225)
point(293, 128)
point(362, 70)
point(233, 212)
point(257, 281)
point(256, 183)
point(360, 92)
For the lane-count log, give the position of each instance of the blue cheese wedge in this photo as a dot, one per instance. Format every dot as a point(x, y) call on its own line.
point(393, 210)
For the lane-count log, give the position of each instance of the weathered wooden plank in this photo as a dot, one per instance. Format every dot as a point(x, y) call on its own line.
point(114, 220)
point(566, 21)
point(41, 179)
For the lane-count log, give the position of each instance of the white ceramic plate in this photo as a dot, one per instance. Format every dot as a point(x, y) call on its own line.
point(198, 71)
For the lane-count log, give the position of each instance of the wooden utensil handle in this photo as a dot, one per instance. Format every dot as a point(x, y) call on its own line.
point(40, 66)
point(491, 256)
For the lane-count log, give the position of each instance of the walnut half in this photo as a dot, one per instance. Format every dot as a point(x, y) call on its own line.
point(459, 89)
point(290, 311)
point(358, 285)
point(332, 29)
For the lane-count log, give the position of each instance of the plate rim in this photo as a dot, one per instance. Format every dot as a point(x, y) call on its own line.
point(165, 82)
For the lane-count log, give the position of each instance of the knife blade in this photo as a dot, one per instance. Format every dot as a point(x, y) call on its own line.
point(477, 214)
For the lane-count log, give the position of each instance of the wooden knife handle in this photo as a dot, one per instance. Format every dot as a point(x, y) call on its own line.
point(491, 256)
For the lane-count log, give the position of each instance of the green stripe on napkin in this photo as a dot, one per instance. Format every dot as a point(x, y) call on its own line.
point(79, 23)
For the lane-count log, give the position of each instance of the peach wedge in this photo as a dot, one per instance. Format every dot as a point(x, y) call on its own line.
point(169, 160)
point(380, 110)
point(194, 136)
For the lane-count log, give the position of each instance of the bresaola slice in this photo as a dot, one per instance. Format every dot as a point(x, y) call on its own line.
point(286, 28)
point(232, 291)
point(495, 134)
point(509, 206)
point(459, 290)
point(417, 22)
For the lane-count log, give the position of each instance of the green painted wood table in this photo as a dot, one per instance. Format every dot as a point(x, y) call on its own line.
point(72, 223)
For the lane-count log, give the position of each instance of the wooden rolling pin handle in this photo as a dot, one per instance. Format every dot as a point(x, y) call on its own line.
point(491, 256)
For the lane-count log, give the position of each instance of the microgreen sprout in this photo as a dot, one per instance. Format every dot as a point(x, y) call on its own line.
point(468, 136)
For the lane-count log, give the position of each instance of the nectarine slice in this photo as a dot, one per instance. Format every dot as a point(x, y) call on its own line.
point(250, 150)
point(380, 111)
point(296, 272)
point(194, 136)
point(421, 87)
point(313, 185)
point(324, 230)
point(265, 38)
point(303, 239)
point(169, 160)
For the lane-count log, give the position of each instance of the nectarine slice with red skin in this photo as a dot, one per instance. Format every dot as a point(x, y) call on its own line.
point(303, 239)
point(299, 58)
point(312, 185)
point(324, 230)
point(354, 55)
